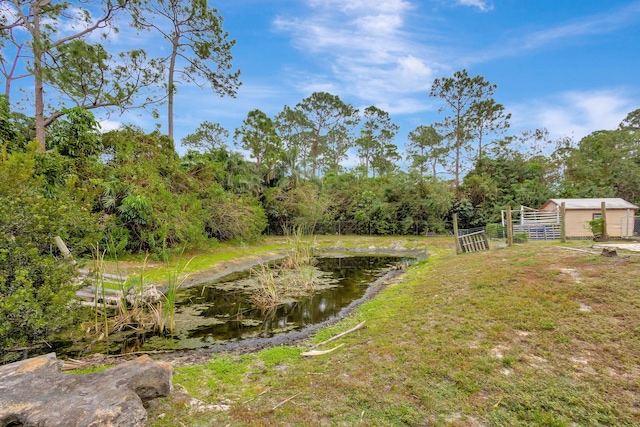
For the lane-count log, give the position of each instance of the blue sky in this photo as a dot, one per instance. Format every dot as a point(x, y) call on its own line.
point(571, 66)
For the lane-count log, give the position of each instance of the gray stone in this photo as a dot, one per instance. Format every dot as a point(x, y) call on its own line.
point(35, 392)
point(149, 295)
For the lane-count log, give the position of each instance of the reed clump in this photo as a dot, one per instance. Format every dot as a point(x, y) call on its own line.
point(270, 291)
point(301, 252)
point(276, 285)
point(138, 305)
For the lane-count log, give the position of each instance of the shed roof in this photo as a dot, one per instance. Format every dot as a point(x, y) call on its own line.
point(611, 203)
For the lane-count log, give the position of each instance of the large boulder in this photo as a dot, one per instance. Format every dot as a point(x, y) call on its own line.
point(35, 392)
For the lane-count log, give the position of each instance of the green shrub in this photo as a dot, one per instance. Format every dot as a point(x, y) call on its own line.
point(597, 226)
point(520, 238)
point(35, 283)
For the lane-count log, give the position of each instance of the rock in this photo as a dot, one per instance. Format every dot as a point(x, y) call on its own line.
point(149, 295)
point(609, 252)
point(35, 392)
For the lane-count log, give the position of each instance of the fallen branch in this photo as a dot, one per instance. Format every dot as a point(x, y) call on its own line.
point(320, 352)
point(72, 364)
point(594, 253)
point(285, 401)
point(355, 328)
point(579, 250)
point(256, 396)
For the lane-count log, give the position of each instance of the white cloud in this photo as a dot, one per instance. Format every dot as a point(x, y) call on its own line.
point(107, 125)
point(596, 24)
point(367, 52)
point(367, 6)
point(413, 71)
point(8, 13)
point(380, 24)
point(574, 114)
point(602, 23)
point(482, 5)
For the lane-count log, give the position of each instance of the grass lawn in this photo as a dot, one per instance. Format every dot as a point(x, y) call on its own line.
point(535, 334)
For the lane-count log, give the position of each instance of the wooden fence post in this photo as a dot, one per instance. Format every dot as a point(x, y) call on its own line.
point(603, 212)
point(64, 250)
point(455, 233)
point(509, 227)
point(563, 224)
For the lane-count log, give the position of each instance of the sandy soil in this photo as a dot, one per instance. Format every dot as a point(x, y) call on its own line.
point(633, 247)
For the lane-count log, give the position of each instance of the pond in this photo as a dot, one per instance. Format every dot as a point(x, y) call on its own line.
point(222, 311)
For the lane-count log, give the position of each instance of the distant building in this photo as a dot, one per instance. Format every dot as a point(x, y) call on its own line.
point(578, 212)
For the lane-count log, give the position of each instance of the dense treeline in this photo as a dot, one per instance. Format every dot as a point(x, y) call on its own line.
point(140, 195)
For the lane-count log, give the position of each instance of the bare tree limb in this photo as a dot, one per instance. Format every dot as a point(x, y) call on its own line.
point(320, 352)
point(355, 328)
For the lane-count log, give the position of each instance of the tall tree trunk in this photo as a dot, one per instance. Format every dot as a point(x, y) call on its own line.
point(315, 152)
point(170, 84)
point(457, 171)
point(366, 160)
point(459, 140)
point(37, 77)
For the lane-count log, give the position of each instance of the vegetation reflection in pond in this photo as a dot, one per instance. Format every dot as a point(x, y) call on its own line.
point(224, 310)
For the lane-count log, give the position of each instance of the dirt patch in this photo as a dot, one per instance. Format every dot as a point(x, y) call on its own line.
point(632, 247)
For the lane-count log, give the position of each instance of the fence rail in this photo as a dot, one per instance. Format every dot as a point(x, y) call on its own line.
point(96, 294)
point(539, 232)
point(474, 242)
point(529, 216)
point(630, 227)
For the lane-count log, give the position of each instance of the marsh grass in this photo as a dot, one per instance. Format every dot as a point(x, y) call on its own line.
point(133, 311)
point(300, 253)
point(469, 340)
point(168, 302)
point(270, 290)
point(306, 278)
point(99, 292)
point(275, 284)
